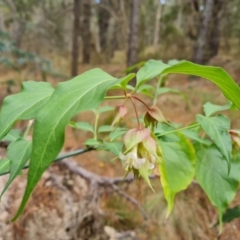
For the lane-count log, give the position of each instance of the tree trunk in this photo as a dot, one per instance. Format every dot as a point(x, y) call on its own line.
point(133, 38)
point(104, 17)
point(157, 25)
point(209, 32)
point(86, 34)
point(75, 45)
point(214, 39)
point(19, 24)
point(203, 33)
point(179, 22)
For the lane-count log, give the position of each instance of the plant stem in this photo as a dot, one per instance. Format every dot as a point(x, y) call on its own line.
point(96, 125)
point(156, 92)
point(61, 157)
point(134, 106)
point(141, 101)
point(179, 129)
point(30, 123)
point(114, 97)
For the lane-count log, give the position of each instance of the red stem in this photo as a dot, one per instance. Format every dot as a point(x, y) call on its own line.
point(139, 126)
point(141, 102)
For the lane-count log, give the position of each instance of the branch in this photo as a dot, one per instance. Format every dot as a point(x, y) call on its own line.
point(92, 177)
point(130, 199)
point(95, 181)
point(61, 157)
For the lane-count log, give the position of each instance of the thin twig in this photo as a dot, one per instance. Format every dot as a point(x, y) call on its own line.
point(130, 199)
point(61, 157)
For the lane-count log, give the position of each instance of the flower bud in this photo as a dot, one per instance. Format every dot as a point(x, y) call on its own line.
point(135, 136)
point(153, 116)
point(235, 135)
point(120, 111)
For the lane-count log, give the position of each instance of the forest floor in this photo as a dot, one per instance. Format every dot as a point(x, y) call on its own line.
point(193, 217)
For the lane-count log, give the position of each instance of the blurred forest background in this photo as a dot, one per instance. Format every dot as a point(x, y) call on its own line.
point(48, 40)
point(57, 37)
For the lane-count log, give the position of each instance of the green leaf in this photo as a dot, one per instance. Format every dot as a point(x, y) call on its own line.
point(173, 62)
point(124, 81)
point(105, 109)
point(82, 125)
point(18, 153)
point(105, 128)
point(113, 147)
point(13, 135)
point(4, 165)
point(23, 105)
point(194, 136)
point(212, 175)
point(118, 132)
point(231, 214)
point(144, 172)
point(216, 75)
point(146, 89)
point(217, 129)
point(91, 142)
point(164, 90)
point(210, 109)
point(133, 67)
point(177, 168)
point(82, 93)
point(150, 70)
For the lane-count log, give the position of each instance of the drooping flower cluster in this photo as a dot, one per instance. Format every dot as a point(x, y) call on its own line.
point(141, 150)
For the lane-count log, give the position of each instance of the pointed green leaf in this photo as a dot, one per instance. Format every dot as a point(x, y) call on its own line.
point(82, 93)
point(23, 105)
point(212, 175)
point(150, 70)
point(105, 109)
point(194, 136)
point(144, 173)
point(91, 142)
point(177, 168)
point(164, 90)
point(113, 147)
point(217, 75)
point(18, 153)
point(13, 135)
point(4, 165)
point(82, 125)
point(122, 84)
point(146, 89)
point(217, 129)
point(118, 132)
point(133, 67)
point(210, 109)
point(105, 128)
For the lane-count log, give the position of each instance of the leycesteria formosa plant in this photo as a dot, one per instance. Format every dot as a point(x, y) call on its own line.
point(206, 151)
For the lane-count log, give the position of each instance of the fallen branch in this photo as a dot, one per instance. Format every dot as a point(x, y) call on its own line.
point(92, 177)
point(95, 181)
